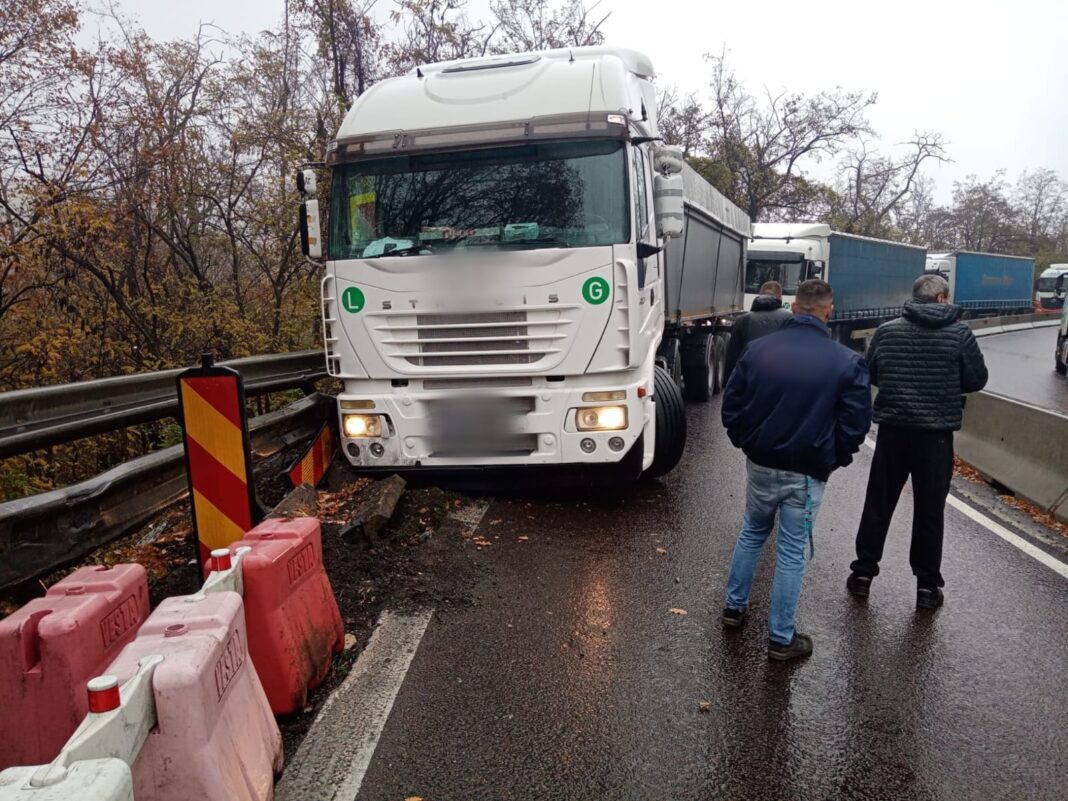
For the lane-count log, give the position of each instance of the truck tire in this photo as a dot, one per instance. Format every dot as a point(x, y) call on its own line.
point(670, 424)
point(699, 368)
point(1060, 366)
point(721, 364)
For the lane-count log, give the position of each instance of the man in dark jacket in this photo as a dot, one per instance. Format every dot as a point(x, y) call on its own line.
point(765, 316)
point(799, 405)
point(922, 363)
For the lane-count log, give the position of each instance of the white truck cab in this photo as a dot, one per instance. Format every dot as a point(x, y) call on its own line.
point(788, 253)
point(494, 266)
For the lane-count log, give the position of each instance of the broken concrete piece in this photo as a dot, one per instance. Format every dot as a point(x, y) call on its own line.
point(301, 502)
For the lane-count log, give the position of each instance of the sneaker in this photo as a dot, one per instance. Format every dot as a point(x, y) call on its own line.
point(929, 599)
point(801, 645)
point(858, 585)
point(733, 618)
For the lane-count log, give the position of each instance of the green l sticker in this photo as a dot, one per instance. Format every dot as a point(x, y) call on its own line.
point(595, 291)
point(352, 299)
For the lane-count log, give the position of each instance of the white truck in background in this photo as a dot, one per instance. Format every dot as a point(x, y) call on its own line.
point(1047, 296)
point(517, 273)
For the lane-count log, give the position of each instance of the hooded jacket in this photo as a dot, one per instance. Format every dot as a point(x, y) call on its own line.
point(765, 315)
point(922, 363)
point(798, 400)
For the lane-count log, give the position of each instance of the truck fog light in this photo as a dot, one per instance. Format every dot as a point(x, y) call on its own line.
point(601, 418)
point(377, 449)
point(616, 443)
point(601, 397)
point(353, 449)
point(361, 425)
point(588, 445)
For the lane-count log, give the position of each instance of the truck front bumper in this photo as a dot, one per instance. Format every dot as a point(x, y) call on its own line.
point(541, 420)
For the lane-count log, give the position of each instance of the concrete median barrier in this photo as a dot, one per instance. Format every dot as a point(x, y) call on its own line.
point(1022, 447)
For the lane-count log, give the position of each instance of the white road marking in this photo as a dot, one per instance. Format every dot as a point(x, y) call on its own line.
point(1052, 562)
point(333, 759)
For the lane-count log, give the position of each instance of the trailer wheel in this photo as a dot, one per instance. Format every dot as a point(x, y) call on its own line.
point(1060, 366)
point(721, 364)
point(670, 424)
point(699, 368)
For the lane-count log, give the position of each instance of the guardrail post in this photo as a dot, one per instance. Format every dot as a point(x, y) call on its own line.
point(218, 456)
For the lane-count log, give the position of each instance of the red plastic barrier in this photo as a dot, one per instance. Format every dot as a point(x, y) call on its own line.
point(293, 620)
point(52, 646)
point(215, 738)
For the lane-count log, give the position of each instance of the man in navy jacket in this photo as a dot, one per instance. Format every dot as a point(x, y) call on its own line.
point(799, 405)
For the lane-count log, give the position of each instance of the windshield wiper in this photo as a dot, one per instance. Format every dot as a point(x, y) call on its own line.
point(408, 251)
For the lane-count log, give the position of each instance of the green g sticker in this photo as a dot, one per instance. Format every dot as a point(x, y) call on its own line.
point(352, 299)
point(595, 291)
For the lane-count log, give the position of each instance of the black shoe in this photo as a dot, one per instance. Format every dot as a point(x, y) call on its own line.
point(733, 618)
point(929, 599)
point(801, 645)
point(858, 585)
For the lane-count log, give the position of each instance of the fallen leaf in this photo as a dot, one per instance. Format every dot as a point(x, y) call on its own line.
point(676, 611)
point(522, 539)
point(704, 706)
point(423, 511)
point(414, 798)
point(661, 550)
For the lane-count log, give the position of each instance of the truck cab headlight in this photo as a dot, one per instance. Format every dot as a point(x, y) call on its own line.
point(601, 418)
point(357, 426)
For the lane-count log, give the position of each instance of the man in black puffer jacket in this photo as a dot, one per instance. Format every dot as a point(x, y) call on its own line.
point(765, 316)
point(923, 362)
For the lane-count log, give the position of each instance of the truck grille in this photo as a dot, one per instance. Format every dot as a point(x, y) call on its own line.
point(473, 339)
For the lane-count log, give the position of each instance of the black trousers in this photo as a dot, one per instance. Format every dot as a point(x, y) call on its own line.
point(928, 457)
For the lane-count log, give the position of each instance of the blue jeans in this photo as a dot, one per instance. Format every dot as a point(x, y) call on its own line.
point(796, 497)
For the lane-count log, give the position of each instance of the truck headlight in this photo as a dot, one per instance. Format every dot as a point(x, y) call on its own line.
point(357, 426)
point(601, 418)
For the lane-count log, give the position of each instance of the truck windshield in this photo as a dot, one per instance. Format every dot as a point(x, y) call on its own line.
point(561, 194)
point(757, 273)
point(1048, 283)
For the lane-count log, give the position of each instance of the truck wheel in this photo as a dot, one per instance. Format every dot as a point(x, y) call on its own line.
point(1061, 367)
point(670, 424)
point(721, 364)
point(700, 368)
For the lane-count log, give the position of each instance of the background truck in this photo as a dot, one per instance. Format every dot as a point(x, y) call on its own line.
point(871, 278)
point(986, 284)
point(1046, 296)
point(517, 273)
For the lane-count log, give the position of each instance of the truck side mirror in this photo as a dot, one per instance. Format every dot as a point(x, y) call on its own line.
point(311, 244)
point(668, 197)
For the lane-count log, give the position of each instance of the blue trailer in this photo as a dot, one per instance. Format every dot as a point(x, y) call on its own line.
point(986, 283)
point(871, 278)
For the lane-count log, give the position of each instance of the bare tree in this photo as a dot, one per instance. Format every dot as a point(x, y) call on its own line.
point(1041, 200)
point(525, 25)
point(873, 188)
point(766, 142)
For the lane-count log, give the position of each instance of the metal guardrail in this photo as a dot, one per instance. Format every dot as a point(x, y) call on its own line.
point(1020, 446)
point(44, 532)
point(42, 416)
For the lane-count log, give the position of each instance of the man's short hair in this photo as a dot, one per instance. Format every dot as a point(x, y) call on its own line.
point(813, 295)
point(928, 287)
point(771, 288)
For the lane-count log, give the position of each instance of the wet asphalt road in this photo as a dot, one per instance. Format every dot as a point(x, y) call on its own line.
point(570, 678)
point(1021, 367)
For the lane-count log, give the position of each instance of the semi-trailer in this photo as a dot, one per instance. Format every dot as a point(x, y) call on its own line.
point(985, 284)
point(517, 272)
point(871, 278)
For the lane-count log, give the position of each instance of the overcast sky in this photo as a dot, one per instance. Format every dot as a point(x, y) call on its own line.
point(991, 76)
